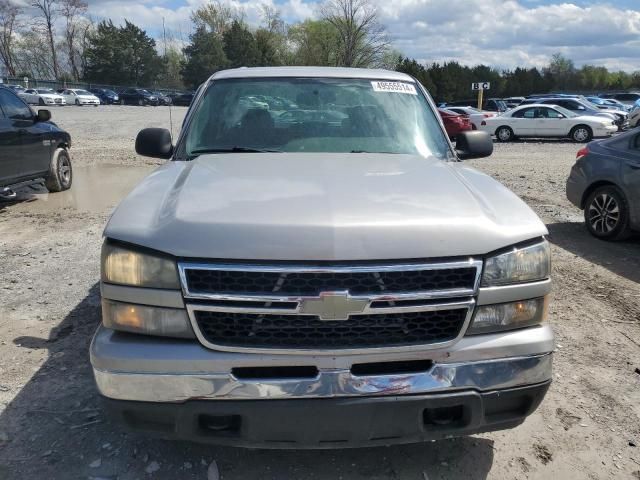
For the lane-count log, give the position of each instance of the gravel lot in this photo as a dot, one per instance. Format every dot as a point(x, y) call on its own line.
point(51, 422)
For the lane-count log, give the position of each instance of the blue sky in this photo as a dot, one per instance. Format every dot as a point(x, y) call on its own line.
point(503, 33)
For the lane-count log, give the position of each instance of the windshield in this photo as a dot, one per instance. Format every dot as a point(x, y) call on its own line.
point(502, 105)
point(586, 104)
point(314, 115)
point(565, 112)
point(83, 92)
point(44, 90)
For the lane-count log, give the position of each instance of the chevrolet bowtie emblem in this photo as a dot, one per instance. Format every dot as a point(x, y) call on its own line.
point(333, 306)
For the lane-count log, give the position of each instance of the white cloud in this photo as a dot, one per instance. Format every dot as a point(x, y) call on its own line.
point(509, 34)
point(504, 33)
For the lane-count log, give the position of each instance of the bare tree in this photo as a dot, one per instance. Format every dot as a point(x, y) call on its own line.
point(9, 13)
point(48, 12)
point(71, 10)
point(32, 55)
point(363, 41)
point(272, 20)
point(84, 34)
point(217, 16)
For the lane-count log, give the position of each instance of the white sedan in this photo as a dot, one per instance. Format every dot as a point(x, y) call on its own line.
point(42, 96)
point(541, 120)
point(475, 116)
point(76, 96)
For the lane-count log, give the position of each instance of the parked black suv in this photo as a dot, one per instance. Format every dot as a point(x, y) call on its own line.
point(182, 99)
point(32, 148)
point(163, 98)
point(106, 96)
point(138, 96)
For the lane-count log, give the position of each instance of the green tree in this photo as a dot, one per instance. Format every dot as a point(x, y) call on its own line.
point(172, 66)
point(122, 56)
point(315, 42)
point(216, 16)
point(561, 72)
point(203, 56)
point(240, 46)
point(418, 71)
point(266, 45)
point(271, 38)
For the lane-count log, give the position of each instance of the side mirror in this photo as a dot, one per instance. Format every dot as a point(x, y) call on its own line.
point(43, 116)
point(473, 144)
point(154, 142)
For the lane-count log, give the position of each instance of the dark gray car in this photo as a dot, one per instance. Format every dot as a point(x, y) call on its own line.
point(605, 183)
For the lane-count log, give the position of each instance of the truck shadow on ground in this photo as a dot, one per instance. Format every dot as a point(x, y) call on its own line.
point(621, 258)
point(57, 429)
point(23, 194)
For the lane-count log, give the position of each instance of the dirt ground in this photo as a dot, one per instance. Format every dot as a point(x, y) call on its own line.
point(52, 425)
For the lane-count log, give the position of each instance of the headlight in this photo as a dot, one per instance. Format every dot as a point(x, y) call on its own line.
point(519, 265)
point(508, 316)
point(166, 322)
point(128, 267)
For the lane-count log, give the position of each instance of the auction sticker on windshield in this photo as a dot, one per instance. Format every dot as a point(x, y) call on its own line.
point(394, 87)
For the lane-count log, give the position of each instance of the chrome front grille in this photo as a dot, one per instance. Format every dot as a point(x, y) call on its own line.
point(289, 307)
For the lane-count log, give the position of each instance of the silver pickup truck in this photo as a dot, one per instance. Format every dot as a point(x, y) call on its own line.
point(316, 268)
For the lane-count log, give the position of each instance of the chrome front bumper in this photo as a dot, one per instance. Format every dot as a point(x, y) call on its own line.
point(135, 368)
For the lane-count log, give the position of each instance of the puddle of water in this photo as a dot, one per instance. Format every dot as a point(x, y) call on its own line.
point(95, 188)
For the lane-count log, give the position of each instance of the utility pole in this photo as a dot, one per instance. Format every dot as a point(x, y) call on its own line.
point(164, 39)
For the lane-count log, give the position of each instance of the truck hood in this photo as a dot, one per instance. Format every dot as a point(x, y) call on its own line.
point(317, 206)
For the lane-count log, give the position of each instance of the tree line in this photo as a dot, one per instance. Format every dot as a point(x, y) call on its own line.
point(450, 80)
point(56, 39)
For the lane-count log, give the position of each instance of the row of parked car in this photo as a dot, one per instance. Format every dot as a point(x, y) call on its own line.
point(552, 115)
point(101, 96)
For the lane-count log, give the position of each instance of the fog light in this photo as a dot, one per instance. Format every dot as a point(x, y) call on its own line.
point(166, 322)
point(508, 316)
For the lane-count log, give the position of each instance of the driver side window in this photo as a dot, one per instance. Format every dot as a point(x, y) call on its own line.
point(13, 107)
point(551, 113)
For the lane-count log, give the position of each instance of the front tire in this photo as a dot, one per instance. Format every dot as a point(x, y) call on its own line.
point(606, 214)
point(581, 134)
point(504, 134)
point(77, 102)
point(60, 175)
point(40, 102)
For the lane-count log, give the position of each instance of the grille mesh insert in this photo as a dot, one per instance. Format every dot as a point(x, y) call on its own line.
point(311, 283)
point(360, 331)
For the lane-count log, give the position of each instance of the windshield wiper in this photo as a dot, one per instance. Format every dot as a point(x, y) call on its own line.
point(235, 149)
point(368, 151)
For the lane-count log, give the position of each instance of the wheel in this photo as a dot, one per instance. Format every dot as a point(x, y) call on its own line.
point(141, 102)
point(40, 102)
point(504, 134)
point(581, 134)
point(77, 102)
point(606, 214)
point(60, 174)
